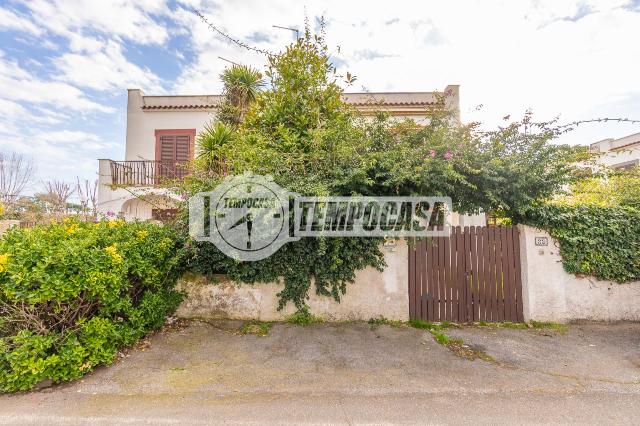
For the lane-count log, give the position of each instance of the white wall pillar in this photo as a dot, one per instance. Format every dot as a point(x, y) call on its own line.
point(543, 289)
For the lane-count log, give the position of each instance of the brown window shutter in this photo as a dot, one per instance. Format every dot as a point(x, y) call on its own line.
point(173, 149)
point(183, 147)
point(167, 148)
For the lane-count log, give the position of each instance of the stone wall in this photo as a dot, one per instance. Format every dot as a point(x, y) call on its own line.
point(552, 294)
point(373, 294)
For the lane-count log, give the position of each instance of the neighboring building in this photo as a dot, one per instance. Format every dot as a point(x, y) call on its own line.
point(623, 153)
point(161, 133)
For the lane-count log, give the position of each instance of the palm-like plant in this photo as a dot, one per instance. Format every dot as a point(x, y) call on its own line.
point(241, 87)
point(210, 145)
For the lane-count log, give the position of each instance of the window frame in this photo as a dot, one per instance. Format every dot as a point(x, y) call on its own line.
point(191, 133)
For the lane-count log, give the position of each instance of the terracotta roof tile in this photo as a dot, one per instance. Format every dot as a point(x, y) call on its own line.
point(195, 106)
point(210, 106)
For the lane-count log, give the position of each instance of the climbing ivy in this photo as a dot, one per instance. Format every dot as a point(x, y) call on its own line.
point(594, 240)
point(330, 262)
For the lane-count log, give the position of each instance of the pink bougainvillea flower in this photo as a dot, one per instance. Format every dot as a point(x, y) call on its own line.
point(110, 213)
point(448, 155)
point(432, 154)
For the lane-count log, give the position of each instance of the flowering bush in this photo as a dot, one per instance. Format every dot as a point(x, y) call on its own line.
point(72, 294)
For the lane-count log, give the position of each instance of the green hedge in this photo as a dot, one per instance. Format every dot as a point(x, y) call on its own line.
point(72, 294)
point(603, 242)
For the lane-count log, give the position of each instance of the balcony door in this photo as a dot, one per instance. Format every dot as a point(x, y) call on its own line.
point(174, 148)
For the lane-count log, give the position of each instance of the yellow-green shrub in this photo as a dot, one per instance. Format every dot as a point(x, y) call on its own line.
point(72, 294)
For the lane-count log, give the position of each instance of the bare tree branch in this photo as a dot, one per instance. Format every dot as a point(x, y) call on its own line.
point(15, 173)
point(58, 193)
point(87, 193)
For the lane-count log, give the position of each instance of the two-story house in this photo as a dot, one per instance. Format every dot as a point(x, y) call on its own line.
point(622, 153)
point(160, 140)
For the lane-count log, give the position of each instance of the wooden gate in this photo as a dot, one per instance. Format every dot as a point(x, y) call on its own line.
point(472, 275)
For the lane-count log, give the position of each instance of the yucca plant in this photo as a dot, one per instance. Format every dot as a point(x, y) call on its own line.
point(210, 144)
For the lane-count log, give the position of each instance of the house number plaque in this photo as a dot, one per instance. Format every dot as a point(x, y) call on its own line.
point(542, 241)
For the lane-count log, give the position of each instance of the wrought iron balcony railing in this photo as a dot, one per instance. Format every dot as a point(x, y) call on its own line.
point(147, 173)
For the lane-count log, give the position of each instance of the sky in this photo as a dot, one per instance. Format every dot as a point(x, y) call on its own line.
point(65, 65)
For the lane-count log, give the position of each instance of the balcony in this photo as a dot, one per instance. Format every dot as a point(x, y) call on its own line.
point(146, 173)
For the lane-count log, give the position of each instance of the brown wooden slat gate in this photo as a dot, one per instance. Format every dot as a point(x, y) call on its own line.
point(472, 275)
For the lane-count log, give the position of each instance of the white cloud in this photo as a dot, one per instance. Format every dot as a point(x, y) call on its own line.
point(68, 136)
point(81, 43)
point(11, 109)
point(16, 84)
point(9, 20)
point(58, 154)
point(110, 70)
point(10, 113)
point(130, 19)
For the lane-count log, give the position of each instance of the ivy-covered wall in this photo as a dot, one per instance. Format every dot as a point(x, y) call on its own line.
point(550, 293)
point(373, 293)
point(599, 241)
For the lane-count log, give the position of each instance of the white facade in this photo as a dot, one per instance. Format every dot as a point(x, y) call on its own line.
point(618, 153)
point(549, 293)
point(151, 116)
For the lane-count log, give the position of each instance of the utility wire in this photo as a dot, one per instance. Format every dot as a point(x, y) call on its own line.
point(229, 38)
point(599, 120)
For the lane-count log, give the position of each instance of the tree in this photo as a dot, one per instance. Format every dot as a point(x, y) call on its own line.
point(87, 193)
point(57, 193)
point(242, 84)
point(300, 132)
point(611, 188)
point(16, 171)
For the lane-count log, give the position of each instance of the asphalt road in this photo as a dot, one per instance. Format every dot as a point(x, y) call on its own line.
point(353, 374)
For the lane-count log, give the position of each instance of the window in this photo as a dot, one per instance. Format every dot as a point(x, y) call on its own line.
point(174, 147)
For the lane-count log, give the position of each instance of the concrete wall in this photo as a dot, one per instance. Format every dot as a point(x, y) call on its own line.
point(551, 294)
point(141, 145)
point(373, 294)
point(623, 157)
